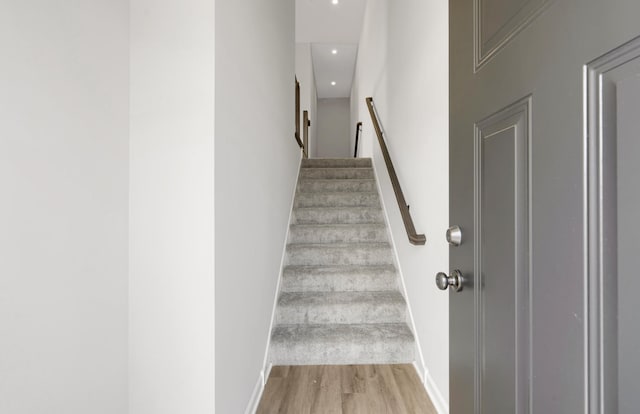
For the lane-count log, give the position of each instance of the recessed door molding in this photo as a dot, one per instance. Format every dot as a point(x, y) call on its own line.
point(508, 131)
point(600, 141)
point(487, 46)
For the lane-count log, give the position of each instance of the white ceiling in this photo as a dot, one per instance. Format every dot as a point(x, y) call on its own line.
point(327, 26)
point(336, 68)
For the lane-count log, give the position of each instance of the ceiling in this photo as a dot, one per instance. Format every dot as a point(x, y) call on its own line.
point(331, 27)
point(336, 68)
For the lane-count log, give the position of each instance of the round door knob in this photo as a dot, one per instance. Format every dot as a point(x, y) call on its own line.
point(455, 281)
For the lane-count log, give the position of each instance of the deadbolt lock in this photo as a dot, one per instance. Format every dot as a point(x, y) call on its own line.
point(454, 236)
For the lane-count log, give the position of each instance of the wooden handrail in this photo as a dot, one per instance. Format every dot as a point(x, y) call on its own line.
point(358, 130)
point(414, 238)
point(305, 133)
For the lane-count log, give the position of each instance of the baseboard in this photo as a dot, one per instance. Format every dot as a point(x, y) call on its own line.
point(396, 257)
point(438, 400)
point(266, 364)
point(267, 372)
point(441, 404)
point(252, 407)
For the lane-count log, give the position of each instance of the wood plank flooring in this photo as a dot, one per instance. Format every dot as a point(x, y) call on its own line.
point(345, 389)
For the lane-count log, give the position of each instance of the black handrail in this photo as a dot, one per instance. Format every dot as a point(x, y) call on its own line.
point(297, 109)
point(306, 123)
point(358, 130)
point(414, 237)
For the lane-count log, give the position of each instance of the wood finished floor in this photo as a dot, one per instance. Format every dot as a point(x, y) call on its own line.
point(345, 389)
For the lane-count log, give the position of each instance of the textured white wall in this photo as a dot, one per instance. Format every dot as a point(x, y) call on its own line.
point(334, 117)
point(63, 206)
point(403, 64)
point(308, 99)
point(256, 164)
point(171, 207)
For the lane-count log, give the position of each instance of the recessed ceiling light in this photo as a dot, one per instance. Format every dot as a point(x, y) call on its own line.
point(334, 1)
point(333, 83)
point(334, 51)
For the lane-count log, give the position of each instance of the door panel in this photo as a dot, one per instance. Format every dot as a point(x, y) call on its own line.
point(529, 232)
point(628, 104)
point(502, 325)
point(614, 203)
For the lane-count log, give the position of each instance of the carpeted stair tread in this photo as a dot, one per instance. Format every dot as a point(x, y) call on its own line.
point(338, 199)
point(328, 344)
point(337, 173)
point(337, 233)
point(341, 307)
point(338, 215)
point(339, 299)
point(336, 163)
point(338, 278)
point(339, 254)
point(337, 185)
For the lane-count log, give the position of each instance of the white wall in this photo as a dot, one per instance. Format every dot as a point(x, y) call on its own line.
point(308, 95)
point(370, 77)
point(256, 165)
point(63, 206)
point(171, 207)
point(402, 63)
point(334, 118)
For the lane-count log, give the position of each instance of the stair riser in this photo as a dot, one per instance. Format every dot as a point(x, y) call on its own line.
point(337, 200)
point(311, 186)
point(338, 283)
point(336, 173)
point(357, 233)
point(331, 256)
point(390, 352)
point(338, 216)
point(342, 313)
point(336, 163)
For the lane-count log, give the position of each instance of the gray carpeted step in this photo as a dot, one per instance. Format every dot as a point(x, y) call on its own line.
point(336, 163)
point(340, 307)
point(342, 199)
point(337, 185)
point(339, 300)
point(338, 215)
point(339, 278)
point(337, 173)
point(339, 254)
point(337, 233)
point(305, 344)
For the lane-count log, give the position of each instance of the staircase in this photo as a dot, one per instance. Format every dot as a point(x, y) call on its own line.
point(339, 301)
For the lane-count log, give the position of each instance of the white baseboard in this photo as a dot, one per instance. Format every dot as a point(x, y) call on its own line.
point(266, 364)
point(441, 404)
point(438, 400)
point(256, 395)
point(420, 364)
point(267, 372)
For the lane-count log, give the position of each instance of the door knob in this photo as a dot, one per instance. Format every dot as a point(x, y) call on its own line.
point(455, 280)
point(454, 236)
